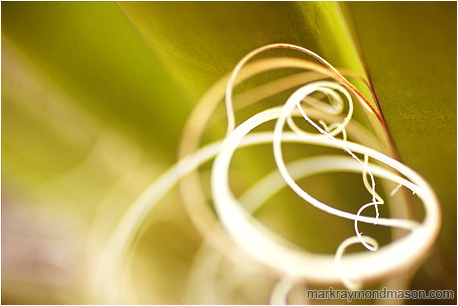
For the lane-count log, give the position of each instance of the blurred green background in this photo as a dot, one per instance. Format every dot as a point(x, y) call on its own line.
point(95, 95)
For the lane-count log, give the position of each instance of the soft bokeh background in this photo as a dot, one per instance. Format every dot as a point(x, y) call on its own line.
point(94, 97)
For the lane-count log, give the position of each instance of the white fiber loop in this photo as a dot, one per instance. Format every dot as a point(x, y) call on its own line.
point(271, 249)
point(318, 113)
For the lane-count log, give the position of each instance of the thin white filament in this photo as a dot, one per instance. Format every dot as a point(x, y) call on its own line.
point(358, 234)
point(201, 216)
point(348, 283)
point(272, 183)
point(376, 198)
point(249, 56)
point(248, 233)
point(116, 249)
point(286, 111)
point(395, 190)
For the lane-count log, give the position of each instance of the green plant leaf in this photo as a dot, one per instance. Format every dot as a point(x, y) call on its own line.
point(411, 55)
point(94, 99)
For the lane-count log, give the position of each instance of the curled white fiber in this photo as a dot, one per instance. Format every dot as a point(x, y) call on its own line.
point(331, 116)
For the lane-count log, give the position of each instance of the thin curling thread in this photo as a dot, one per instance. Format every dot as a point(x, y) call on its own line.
point(246, 58)
point(253, 237)
point(358, 234)
point(328, 88)
point(348, 283)
point(262, 244)
point(114, 254)
point(332, 130)
point(196, 206)
point(246, 231)
point(376, 198)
